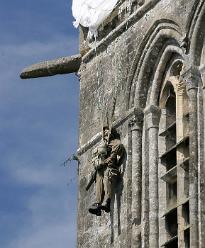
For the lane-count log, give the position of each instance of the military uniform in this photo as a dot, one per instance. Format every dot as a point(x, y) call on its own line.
point(107, 175)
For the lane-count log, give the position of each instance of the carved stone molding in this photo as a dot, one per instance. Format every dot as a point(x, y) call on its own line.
point(152, 115)
point(181, 88)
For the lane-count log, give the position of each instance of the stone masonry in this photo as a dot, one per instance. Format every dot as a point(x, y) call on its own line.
point(146, 72)
point(150, 56)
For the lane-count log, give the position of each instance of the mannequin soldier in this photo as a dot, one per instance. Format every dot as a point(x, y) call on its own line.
point(110, 155)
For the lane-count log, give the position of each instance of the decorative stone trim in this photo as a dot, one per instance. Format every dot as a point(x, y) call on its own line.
point(181, 88)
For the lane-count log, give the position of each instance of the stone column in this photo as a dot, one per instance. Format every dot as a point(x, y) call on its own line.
point(145, 188)
point(136, 130)
point(202, 181)
point(152, 114)
point(191, 78)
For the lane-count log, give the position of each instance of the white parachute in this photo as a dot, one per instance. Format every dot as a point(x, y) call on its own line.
point(91, 13)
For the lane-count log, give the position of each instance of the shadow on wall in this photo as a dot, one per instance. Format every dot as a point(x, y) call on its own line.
point(117, 194)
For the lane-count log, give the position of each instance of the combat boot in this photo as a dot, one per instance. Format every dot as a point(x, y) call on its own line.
point(95, 209)
point(106, 206)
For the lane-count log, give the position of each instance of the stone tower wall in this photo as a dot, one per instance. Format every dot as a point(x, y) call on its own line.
point(129, 62)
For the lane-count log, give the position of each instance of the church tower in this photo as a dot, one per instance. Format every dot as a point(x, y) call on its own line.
point(149, 56)
point(145, 73)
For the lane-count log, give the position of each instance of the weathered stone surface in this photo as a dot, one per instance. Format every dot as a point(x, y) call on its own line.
point(50, 68)
point(132, 61)
point(160, 116)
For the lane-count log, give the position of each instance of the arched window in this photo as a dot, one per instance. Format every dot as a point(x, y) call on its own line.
point(174, 162)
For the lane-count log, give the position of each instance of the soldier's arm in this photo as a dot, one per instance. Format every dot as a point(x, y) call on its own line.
point(116, 153)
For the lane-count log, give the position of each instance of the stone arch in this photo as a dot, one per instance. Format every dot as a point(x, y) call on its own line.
point(152, 72)
point(171, 55)
point(163, 34)
point(196, 33)
point(164, 92)
point(166, 72)
point(154, 65)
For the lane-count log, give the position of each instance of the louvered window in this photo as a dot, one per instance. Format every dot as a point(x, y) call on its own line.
point(174, 164)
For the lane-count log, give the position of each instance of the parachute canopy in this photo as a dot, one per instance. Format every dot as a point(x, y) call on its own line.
point(91, 13)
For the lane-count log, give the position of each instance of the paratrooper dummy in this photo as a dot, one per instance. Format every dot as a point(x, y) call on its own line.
point(106, 160)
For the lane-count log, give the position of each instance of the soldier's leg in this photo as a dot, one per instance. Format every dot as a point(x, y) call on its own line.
point(109, 181)
point(108, 185)
point(99, 187)
point(111, 178)
point(96, 207)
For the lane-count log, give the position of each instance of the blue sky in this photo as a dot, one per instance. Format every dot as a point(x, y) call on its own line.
point(38, 127)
